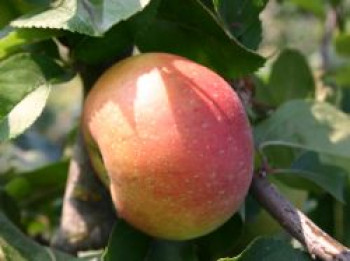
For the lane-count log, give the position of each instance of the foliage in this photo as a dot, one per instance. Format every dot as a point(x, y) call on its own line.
point(297, 100)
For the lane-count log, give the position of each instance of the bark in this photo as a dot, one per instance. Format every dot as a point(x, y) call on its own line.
point(299, 226)
point(88, 214)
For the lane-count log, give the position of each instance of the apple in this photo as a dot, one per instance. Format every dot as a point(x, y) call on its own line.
point(172, 141)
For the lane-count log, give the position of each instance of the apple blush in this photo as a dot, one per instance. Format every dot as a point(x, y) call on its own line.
point(171, 140)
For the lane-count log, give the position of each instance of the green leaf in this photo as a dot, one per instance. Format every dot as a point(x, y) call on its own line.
point(95, 50)
point(308, 167)
point(24, 89)
point(163, 250)
point(340, 162)
point(14, 246)
point(9, 207)
point(315, 126)
point(87, 17)
point(280, 157)
point(322, 213)
point(345, 100)
point(346, 217)
point(24, 114)
point(127, 243)
point(242, 19)
point(317, 7)
point(26, 6)
point(291, 78)
point(223, 239)
point(342, 75)
point(40, 184)
point(12, 39)
point(52, 71)
point(342, 44)
point(193, 32)
point(8, 12)
point(16, 75)
point(269, 249)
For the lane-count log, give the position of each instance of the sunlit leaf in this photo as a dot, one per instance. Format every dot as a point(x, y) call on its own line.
point(12, 39)
point(24, 88)
point(23, 94)
point(24, 113)
point(86, 16)
point(94, 50)
point(315, 126)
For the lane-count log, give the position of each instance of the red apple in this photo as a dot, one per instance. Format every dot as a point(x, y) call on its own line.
point(175, 142)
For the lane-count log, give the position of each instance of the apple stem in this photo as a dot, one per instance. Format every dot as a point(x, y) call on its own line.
point(297, 224)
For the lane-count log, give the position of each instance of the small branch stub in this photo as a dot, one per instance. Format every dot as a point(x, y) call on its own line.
point(315, 240)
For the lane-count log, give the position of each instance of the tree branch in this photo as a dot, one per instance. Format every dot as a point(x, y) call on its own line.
point(329, 28)
point(315, 240)
point(88, 214)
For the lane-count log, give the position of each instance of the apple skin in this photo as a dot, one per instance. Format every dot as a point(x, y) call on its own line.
point(175, 141)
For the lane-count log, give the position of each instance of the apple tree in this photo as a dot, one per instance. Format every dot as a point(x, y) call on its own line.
point(288, 61)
